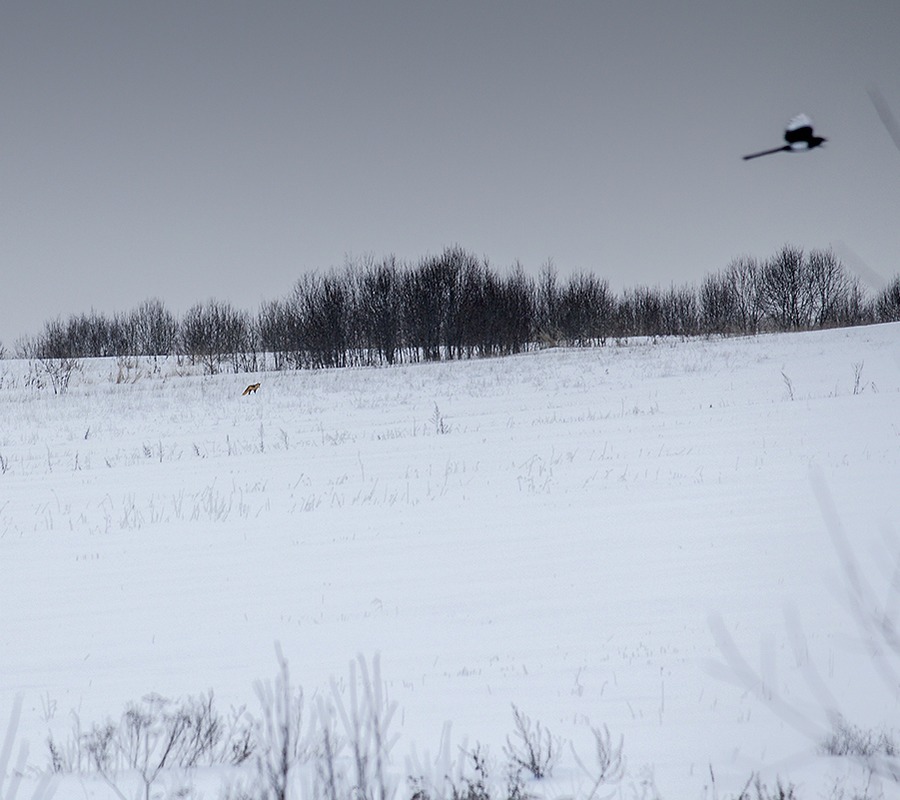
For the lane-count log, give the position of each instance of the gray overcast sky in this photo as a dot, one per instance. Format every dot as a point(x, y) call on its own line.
point(187, 150)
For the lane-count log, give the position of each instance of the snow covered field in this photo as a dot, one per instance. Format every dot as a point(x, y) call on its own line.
point(569, 531)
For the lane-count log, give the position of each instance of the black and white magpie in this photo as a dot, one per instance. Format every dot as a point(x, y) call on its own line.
point(798, 135)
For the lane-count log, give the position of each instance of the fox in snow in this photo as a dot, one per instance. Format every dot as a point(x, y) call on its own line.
point(250, 389)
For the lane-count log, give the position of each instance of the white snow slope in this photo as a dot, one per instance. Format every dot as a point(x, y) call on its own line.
point(570, 531)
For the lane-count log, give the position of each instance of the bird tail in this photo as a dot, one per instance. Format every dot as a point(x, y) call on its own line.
point(766, 152)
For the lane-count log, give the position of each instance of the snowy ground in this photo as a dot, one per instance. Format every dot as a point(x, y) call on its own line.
point(569, 531)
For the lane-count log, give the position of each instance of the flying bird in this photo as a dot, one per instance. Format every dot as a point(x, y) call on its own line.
point(798, 135)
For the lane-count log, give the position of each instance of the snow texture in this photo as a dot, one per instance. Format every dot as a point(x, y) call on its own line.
point(592, 535)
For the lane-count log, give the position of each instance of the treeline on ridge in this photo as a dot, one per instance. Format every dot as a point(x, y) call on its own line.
point(455, 305)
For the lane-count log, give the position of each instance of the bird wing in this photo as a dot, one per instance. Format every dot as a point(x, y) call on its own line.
point(799, 129)
point(800, 121)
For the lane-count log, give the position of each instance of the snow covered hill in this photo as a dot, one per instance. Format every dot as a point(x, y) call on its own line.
point(596, 536)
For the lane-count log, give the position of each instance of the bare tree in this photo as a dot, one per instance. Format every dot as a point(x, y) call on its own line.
point(425, 290)
point(378, 310)
point(323, 304)
point(278, 325)
point(643, 312)
point(213, 333)
point(585, 310)
point(548, 299)
point(829, 287)
point(680, 316)
point(518, 312)
point(745, 278)
point(787, 290)
point(154, 329)
point(887, 303)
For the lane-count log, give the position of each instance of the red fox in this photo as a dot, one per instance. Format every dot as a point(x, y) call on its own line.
point(251, 388)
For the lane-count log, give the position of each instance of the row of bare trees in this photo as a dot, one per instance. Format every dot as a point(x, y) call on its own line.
point(150, 329)
point(455, 305)
point(788, 292)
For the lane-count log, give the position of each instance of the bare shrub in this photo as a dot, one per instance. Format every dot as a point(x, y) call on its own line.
point(532, 747)
point(348, 739)
point(788, 385)
point(610, 763)
point(847, 739)
point(100, 747)
point(780, 792)
point(755, 789)
point(341, 749)
point(438, 422)
point(281, 743)
point(474, 785)
point(857, 377)
point(471, 779)
point(366, 714)
point(152, 736)
point(127, 369)
point(58, 372)
point(327, 751)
